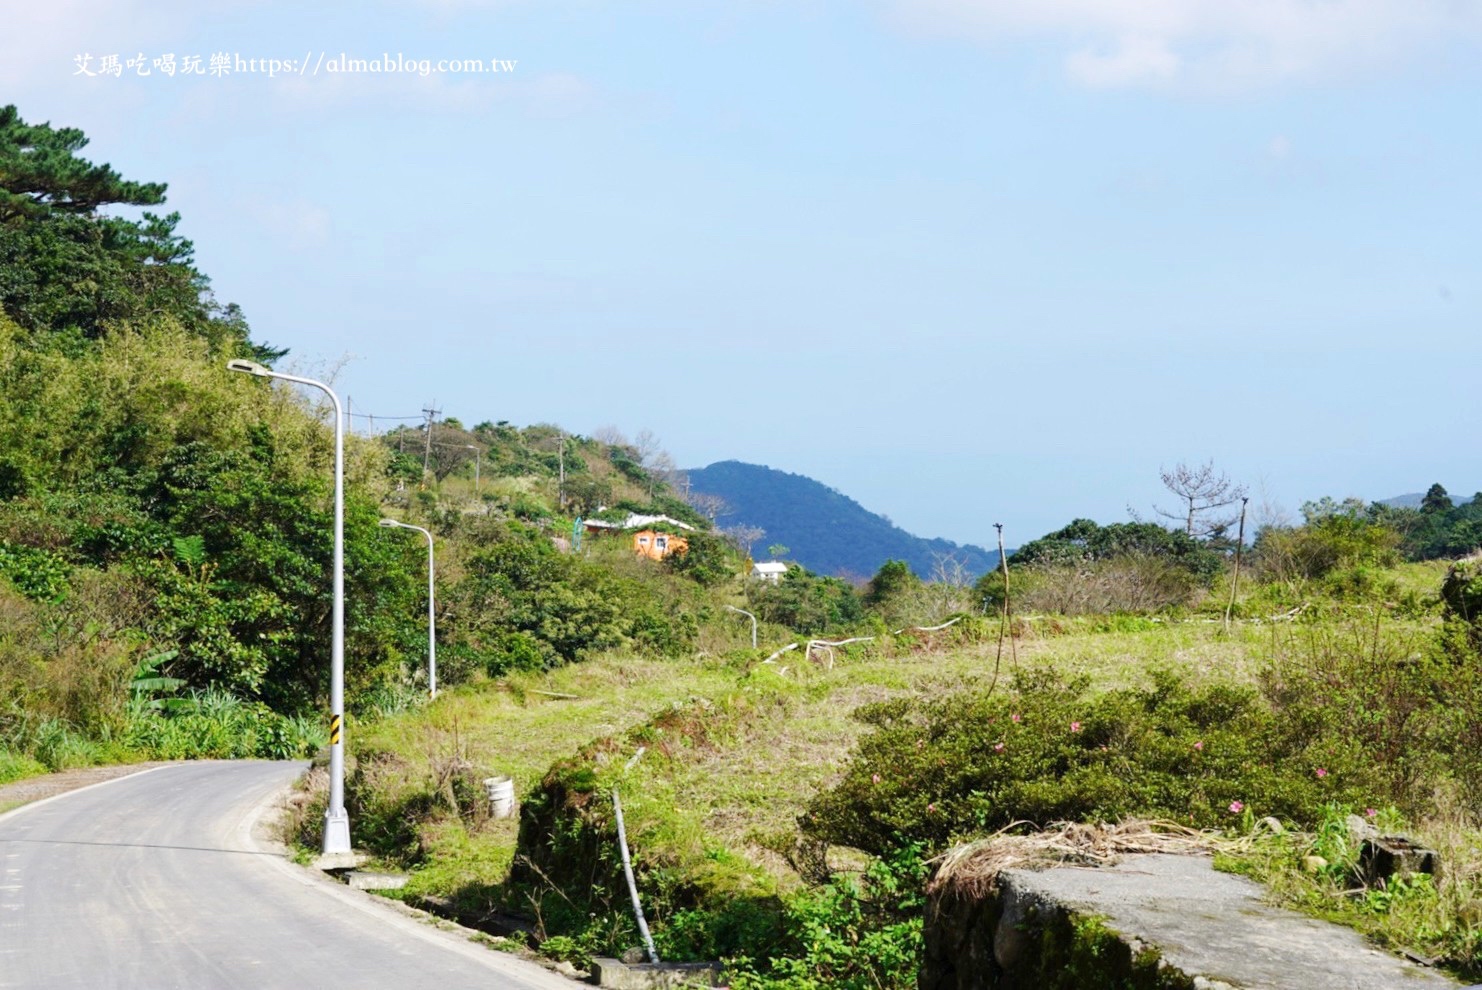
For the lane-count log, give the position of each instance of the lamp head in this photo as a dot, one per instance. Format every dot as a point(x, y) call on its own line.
point(247, 367)
point(389, 522)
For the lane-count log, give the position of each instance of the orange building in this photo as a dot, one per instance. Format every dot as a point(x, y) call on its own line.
point(656, 546)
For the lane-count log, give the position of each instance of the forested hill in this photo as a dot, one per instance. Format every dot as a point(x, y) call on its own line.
point(824, 530)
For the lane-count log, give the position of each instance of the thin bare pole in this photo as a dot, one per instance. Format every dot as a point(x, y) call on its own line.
point(1003, 624)
point(648, 941)
point(1235, 576)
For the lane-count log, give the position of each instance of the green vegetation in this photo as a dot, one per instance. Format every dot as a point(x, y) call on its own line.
point(164, 573)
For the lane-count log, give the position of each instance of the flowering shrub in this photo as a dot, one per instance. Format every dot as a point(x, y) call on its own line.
point(937, 770)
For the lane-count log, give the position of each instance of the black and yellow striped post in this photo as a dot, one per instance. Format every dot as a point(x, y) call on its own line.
point(334, 729)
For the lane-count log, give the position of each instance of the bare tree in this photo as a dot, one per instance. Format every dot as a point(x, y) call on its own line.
point(744, 536)
point(1203, 492)
point(647, 445)
point(610, 435)
point(708, 504)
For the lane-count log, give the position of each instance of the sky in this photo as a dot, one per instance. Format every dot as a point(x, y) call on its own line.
point(966, 261)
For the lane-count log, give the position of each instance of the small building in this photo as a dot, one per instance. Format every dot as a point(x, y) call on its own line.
point(769, 570)
point(656, 546)
point(634, 519)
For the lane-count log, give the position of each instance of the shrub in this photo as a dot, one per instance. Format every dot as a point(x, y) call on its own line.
point(1127, 583)
point(17, 766)
point(1335, 536)
point(1359, 687)
point(805, 602)
point(935, 770)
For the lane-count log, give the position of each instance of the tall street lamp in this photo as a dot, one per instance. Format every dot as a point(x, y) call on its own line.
point(431, 620)
point(336, 821)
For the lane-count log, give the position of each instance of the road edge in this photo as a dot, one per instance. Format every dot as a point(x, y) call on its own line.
point(28, 805)
point(535, 974)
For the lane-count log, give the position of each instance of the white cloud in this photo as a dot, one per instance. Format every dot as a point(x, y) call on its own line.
point(1209, 44)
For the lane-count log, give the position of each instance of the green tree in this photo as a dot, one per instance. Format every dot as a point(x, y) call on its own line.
point(1435, 499)
point(70, 267)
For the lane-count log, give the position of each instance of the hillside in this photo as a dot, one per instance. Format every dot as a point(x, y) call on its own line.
point(823, 529)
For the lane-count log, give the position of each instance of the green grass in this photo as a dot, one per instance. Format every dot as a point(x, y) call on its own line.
point(715, 806)
point(792, 740)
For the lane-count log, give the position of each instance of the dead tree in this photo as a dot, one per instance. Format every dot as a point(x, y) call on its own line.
point(1202, 491)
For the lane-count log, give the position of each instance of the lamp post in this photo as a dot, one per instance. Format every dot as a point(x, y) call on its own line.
point(336, 821)
point(431, 620)
point(749, 616)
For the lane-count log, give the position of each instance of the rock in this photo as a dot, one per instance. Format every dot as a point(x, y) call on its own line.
point(1313, 864)
point(1361, 828)
point(1150, 920)
point(1386, 856)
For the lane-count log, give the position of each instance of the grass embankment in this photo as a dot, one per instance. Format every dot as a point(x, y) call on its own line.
point(746, 789)
point(734, 751)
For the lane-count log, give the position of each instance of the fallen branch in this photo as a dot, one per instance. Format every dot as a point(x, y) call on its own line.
point(789, 646)
point(557, 694)
point(939, 628)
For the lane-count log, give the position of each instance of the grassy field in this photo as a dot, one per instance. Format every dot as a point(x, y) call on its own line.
point(744, 788)
point(717, 756)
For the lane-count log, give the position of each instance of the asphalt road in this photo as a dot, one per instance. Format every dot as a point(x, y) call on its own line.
point(154, 881)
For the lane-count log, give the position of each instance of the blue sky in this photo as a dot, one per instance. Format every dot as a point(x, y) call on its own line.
point(967, 261)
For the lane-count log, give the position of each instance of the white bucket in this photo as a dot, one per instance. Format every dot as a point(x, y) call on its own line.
point(501, 796)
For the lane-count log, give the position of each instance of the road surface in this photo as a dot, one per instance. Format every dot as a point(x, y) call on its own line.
point(154, 881)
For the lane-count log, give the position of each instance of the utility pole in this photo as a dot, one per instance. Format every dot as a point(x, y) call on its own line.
point(561, 475)
point(430, 411)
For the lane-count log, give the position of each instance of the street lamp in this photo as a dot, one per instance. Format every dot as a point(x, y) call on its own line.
point(431, 621)
point(749, 616)
point(336, 821)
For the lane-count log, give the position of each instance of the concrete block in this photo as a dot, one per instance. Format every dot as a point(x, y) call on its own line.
point(619, 975)
point(363, 880)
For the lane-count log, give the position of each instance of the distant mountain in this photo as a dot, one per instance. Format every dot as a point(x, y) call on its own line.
point(823, 529)
point(1414, 499)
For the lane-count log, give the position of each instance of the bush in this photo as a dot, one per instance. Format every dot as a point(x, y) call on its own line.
point(805, 602)
point(859, 933)
point(1377, 696)
point(936, 770)
point(1335, 536)
point(18, 766)
point(1128, 583)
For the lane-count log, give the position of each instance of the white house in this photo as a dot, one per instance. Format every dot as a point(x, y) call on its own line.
point(769, 570)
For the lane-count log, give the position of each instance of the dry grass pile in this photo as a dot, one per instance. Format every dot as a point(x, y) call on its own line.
point(972, 870)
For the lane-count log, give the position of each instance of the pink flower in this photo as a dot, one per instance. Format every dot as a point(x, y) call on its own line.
point(1015, 717)
point(1321, 773)
point(875, 778)
point(1075, 727)
point(1199, 744)
point(1370, 812)
point(998, 747)
point(1237, 807)
point(931, 809)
